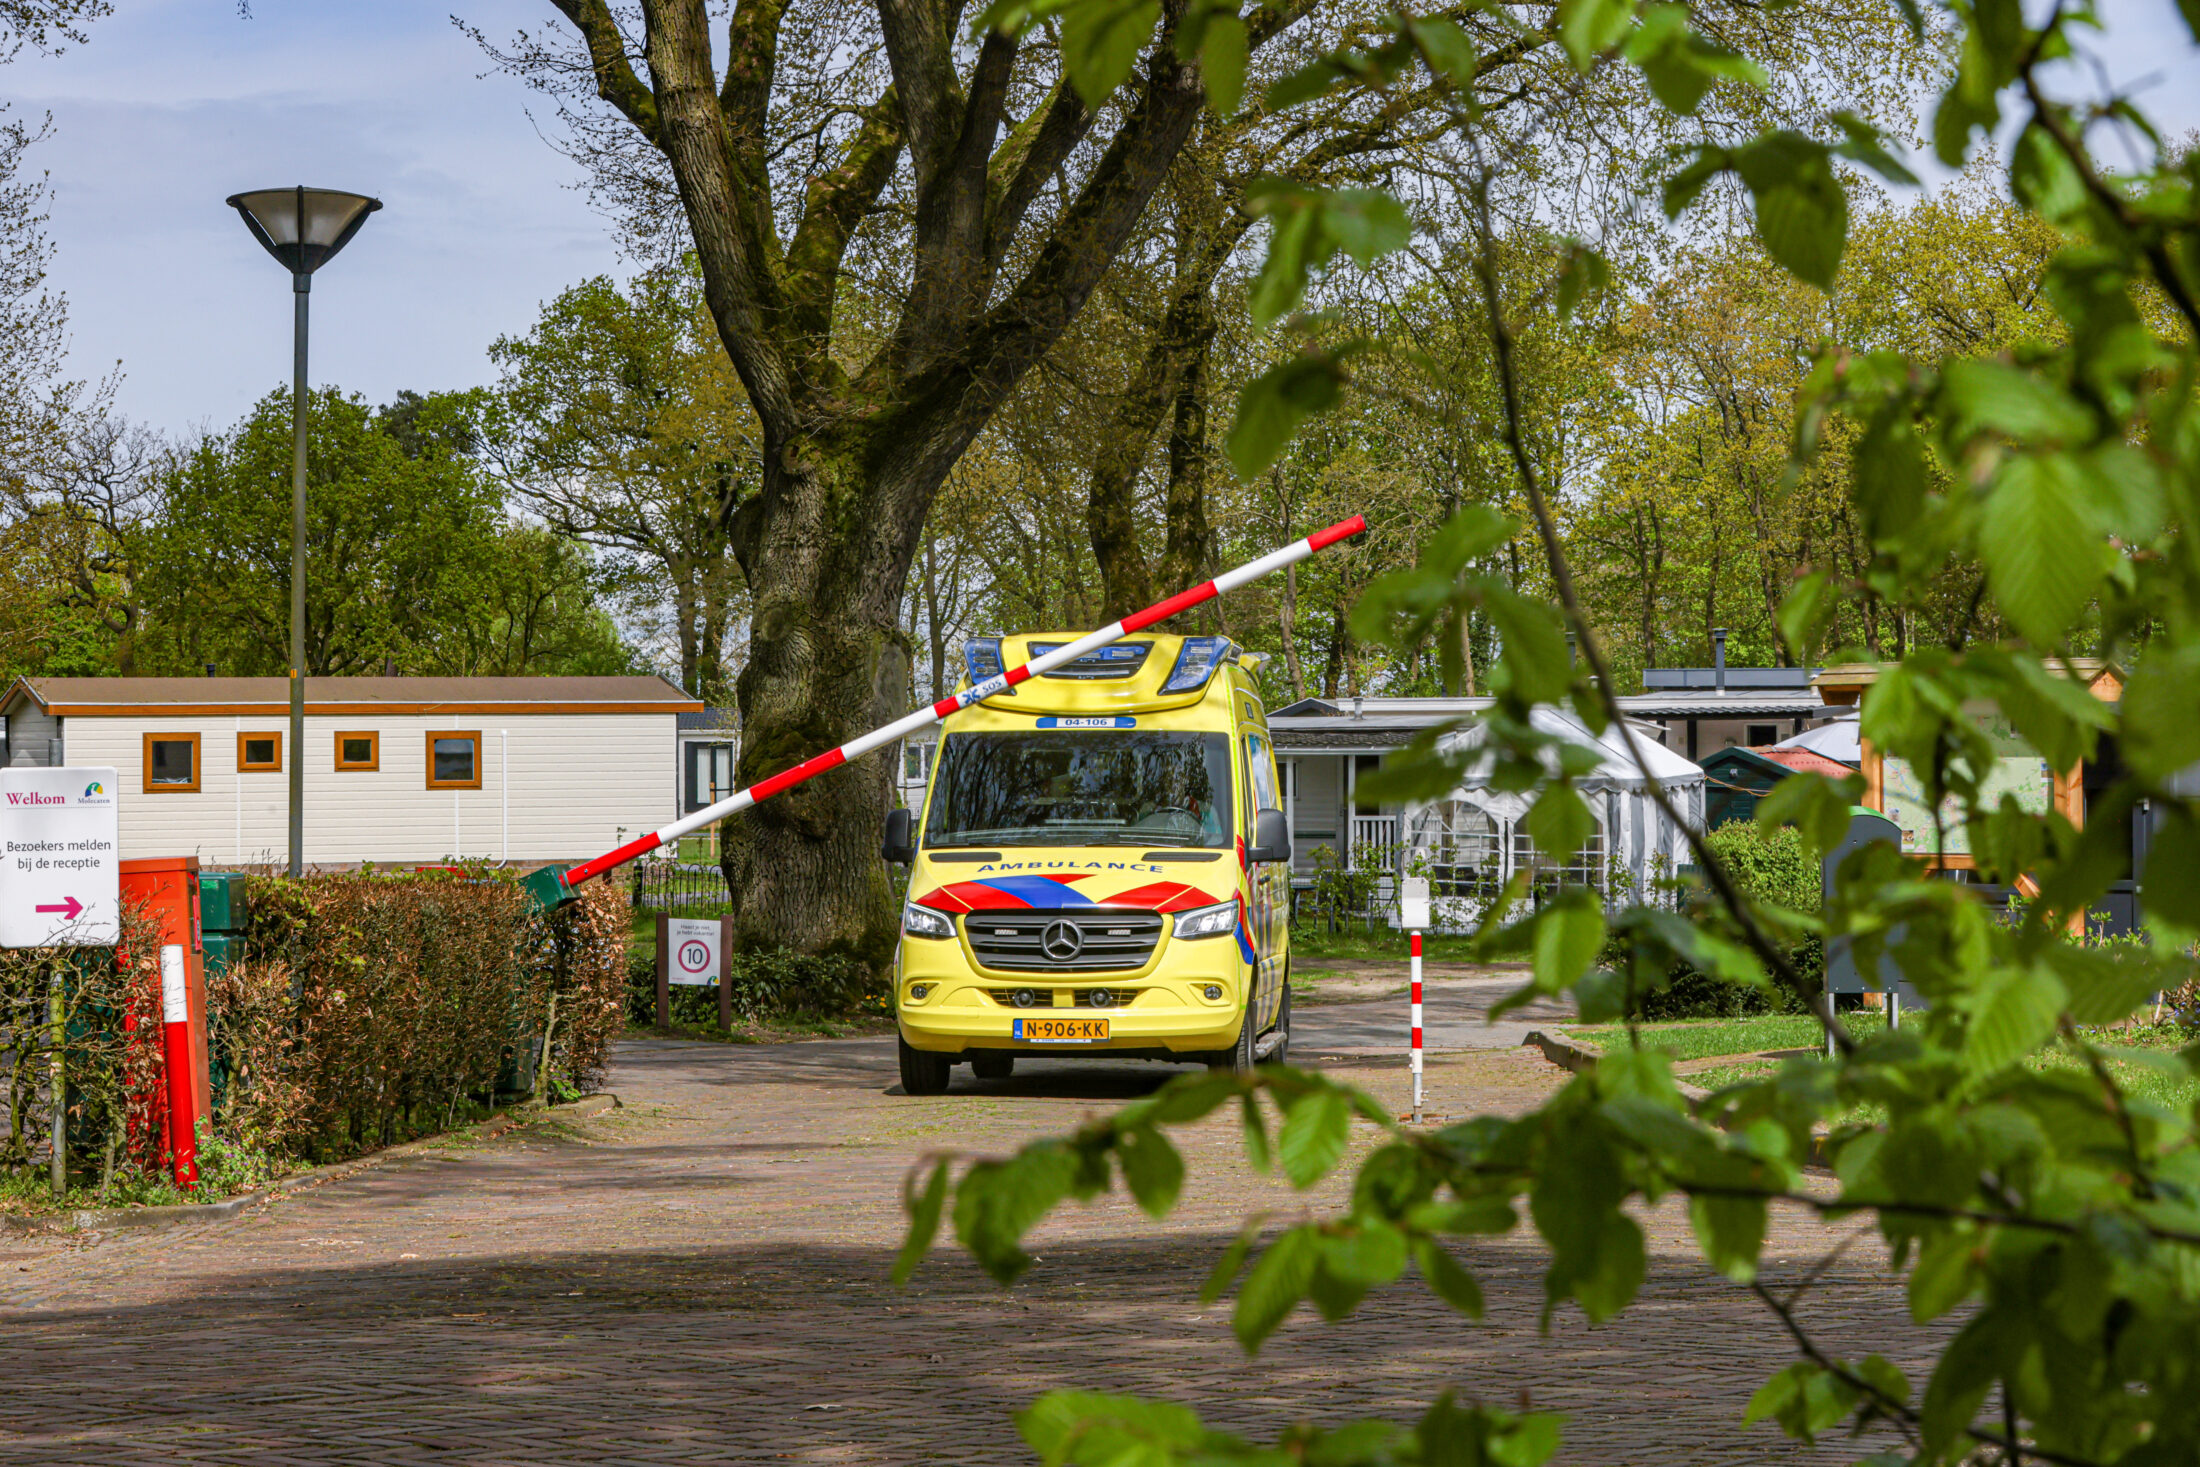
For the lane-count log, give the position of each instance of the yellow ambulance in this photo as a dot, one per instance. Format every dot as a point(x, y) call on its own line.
point(1101, 867)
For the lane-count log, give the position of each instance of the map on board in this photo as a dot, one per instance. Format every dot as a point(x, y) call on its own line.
point(2017, 771)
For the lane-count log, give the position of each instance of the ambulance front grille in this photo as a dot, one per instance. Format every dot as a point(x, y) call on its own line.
point(1016, 942)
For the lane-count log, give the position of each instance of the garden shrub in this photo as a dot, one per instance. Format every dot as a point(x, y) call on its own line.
point(1772, 868)
point(768, 983)
point(111, 1051)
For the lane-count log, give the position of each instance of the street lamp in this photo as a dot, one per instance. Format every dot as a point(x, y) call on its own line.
point(302, 228)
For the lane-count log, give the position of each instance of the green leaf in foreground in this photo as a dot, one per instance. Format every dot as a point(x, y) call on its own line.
point(924, 1221)
point(1101, 40)
point(1313, 1136)
point(2041, 546)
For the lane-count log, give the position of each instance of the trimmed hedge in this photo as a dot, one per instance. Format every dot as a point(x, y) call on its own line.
point(367, 1007)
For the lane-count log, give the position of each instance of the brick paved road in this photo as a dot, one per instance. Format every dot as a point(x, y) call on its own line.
point(702, 1278)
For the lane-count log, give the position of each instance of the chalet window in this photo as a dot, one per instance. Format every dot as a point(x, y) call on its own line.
point(454, 761)
point(709, 774)
point(171, 764)
point(1757, 735)
point(259, 753)
point(359, 752)
point(916, 763)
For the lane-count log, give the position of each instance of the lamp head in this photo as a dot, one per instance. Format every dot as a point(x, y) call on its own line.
point(301, 227)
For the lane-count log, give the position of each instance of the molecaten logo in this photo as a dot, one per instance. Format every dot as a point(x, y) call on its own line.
point(94, 788)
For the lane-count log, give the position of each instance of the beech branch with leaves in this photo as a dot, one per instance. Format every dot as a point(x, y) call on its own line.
point(2016, 1182)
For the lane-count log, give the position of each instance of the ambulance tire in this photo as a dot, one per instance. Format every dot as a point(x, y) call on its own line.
point(992, 1064)
point(1238, 1058)
point(923, 1072)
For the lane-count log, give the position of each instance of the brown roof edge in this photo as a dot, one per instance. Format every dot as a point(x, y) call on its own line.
point(122, 695)
point(1842, 685)
point(20, 687)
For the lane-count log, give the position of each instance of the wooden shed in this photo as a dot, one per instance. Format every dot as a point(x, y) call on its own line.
point(398, 770)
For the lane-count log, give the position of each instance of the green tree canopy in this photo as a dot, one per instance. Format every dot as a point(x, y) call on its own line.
point(620, 422)
point(410, 558)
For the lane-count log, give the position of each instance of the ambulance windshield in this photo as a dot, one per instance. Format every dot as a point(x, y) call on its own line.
point(1072, 787)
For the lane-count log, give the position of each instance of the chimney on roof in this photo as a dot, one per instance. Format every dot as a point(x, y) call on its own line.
point(1718, 658)
point(209, 669)
point(1357, 703)
point(1569, 647)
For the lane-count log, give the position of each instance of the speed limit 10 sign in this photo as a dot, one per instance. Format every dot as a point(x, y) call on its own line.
point(694, 948)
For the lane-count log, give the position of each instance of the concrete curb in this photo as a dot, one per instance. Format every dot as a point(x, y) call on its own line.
point(1567, 1054)
point(184, 1214)
point(1572, 1054)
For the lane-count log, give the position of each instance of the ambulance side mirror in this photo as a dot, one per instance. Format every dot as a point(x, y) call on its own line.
point(1271, 837)
point(899, 848)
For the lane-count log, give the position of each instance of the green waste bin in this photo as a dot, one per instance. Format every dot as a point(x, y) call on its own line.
point(221, 905)
point(222, 912)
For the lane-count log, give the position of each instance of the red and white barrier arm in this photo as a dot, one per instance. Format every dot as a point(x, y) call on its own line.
point(809, 769)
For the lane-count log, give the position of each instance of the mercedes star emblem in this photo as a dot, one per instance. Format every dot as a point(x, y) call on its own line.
point(1063, 941)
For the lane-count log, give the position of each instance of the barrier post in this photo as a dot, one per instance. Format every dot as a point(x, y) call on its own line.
point(57, 1015)
point(725, 974)
point(183, 1119)
point(1413, 915)
point(1416, 961)
point(664, 970)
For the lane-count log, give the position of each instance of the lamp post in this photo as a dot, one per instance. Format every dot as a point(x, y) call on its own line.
point(302, 228)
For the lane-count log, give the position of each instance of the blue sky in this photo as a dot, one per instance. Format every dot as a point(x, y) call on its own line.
point(176, 104)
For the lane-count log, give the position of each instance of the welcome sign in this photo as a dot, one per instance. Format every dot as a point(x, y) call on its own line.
point(60, 858)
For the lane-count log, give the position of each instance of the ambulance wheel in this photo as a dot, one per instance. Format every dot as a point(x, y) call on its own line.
point(992, 1064)
point(1238, 1058)
point(923, 1072)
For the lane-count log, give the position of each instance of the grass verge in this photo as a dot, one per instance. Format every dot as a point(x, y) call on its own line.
point(1314, 944)
point(1692, 1039)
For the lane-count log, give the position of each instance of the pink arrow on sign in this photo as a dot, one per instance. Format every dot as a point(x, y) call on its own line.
point(68, 907)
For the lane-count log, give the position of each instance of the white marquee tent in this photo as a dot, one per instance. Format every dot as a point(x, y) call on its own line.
point(1473, 841)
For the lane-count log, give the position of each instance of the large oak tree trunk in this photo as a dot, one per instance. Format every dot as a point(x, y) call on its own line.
point(829, 660)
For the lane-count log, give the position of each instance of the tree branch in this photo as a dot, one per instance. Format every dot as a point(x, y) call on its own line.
point(616, 82)
point(735, 247)
point(752, 60)
point(1562, 581)
point(838, 201)
point(1086, 240)
point(950, 280)
point(2158, 254)
point(1034, 149)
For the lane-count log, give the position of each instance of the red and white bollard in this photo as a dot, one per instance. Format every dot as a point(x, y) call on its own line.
point(175, 1013)
point(1414, 915)
point(1416, 1028)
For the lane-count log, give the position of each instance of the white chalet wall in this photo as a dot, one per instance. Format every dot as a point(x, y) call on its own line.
point(553, 787)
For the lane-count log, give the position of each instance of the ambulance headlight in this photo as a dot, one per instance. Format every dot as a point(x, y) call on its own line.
point(919, 921)
point(1196, 663)
point(1215, 921)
